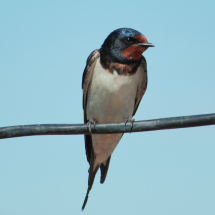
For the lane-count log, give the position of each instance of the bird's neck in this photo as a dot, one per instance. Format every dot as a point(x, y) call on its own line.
point(121, 66)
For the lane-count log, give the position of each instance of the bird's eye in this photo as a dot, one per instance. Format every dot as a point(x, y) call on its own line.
point(129, 40)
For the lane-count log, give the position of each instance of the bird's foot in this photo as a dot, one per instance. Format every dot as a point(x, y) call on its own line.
point(89, 123)
point(132, 122)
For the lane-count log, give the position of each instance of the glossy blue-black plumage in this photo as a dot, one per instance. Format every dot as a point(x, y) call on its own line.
point(115, 43)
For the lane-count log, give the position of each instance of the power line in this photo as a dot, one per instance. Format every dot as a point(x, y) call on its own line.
point(138, 126)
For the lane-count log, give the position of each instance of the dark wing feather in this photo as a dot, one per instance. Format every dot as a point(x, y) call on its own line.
point(142, 88)
point(86, 81)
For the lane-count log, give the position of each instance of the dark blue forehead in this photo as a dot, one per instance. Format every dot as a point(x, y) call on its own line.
point(125, 32)
point(118, 34)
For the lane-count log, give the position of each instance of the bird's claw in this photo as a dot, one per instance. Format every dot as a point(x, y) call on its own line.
point(132, 122)
point(89, 123)
point(126, 121)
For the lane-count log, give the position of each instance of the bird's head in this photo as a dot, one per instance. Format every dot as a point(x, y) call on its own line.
point(125, 45)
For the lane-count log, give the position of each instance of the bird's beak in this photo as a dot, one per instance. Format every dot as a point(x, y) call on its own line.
point(145, 44)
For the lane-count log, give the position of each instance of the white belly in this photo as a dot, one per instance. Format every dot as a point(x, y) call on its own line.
point(111, 98)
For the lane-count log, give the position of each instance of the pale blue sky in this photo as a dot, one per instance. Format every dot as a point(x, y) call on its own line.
point(43, 49)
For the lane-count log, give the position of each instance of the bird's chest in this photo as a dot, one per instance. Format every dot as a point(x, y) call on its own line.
point(111, 96)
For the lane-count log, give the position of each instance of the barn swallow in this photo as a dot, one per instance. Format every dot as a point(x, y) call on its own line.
point(114, 82)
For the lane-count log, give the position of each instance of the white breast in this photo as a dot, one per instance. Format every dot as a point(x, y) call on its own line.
point(111, 97)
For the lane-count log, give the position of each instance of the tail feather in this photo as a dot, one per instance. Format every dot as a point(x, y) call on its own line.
point(91, 178)
point(104, 170)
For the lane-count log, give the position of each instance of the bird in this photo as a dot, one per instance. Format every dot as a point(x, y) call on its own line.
point(114, 82)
